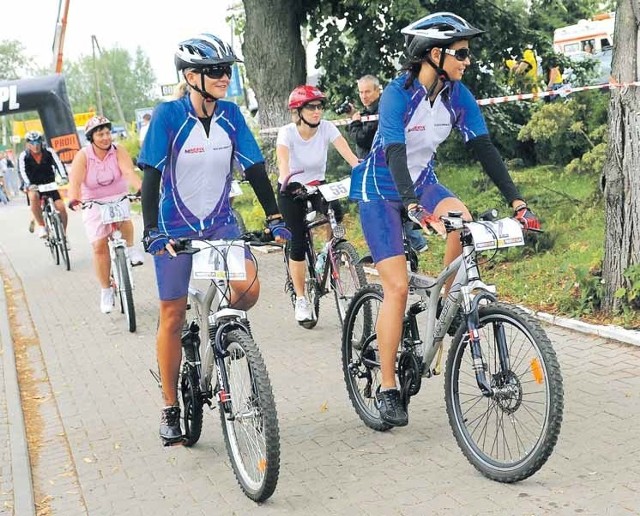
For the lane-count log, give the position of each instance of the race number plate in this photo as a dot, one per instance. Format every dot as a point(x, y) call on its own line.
point(219, 259)
point(115, 212)
point(496, 234)
point(48, 187)
point(337, 190)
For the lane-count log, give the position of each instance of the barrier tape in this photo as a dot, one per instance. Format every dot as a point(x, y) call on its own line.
point(562, 92)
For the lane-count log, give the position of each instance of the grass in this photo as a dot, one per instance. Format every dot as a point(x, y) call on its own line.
point(555, 273)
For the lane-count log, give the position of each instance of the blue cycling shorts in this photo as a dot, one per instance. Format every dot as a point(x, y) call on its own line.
point(381, 221)
point(172, 274)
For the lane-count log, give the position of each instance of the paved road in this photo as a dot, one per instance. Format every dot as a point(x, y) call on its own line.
point(96, 416)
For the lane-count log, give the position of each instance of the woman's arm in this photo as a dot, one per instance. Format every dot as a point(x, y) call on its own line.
point(77, 174)
point(282, 156)
point(126, 166)
point(341, 145)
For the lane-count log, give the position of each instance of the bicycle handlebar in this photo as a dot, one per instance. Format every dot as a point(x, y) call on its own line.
point(89, 203)
point(185, 246)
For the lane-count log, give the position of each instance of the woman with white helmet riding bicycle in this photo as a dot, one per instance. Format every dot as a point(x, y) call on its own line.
point(303, 145)
point(103, 171)
point(187, 158)
point(417, 112)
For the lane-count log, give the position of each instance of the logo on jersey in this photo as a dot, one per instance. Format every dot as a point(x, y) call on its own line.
point(416, 128)
point(194, 150)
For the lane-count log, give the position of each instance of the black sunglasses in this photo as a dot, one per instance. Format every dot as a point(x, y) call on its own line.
point(314, 107)
point(216, 72)
point(461, 54)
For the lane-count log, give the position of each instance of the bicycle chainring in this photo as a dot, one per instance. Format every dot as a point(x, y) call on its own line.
point(409, 373)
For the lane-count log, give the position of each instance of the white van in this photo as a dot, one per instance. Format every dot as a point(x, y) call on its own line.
point(586, 36)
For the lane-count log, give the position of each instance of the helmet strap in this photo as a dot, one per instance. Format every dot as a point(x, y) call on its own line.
point(313, 126)
point(441, 74)
point(204, 94)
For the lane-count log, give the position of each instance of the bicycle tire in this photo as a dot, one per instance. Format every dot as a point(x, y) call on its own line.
point(250, 379)
point(312, 289)
point(359, 362)
point(50, 240)
point(347, 259)
point(61, 240)
point(191, 405)
point(532, 390)
point(124, 289)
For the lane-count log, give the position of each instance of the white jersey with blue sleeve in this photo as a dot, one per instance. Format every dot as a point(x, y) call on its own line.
point(406, 116)
point(196, 168)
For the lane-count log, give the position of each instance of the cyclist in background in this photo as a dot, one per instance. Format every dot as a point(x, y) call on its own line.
point(187, 158)
point(417, 112)
point(303, 145)
point(39, 165)
point(103, 171)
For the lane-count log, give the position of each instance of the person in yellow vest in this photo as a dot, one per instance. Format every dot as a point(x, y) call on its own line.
point(524, 71)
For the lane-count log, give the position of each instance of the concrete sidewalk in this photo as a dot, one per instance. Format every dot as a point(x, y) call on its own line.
point(99, 452)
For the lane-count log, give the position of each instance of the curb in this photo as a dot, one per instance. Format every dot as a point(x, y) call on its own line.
point(23, 497)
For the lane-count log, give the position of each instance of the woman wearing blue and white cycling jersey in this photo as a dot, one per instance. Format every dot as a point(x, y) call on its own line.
point(187, 158)
point(417, 112)
point(303, 145)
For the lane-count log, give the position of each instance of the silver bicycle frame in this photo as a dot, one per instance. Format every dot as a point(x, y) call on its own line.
point(202, 301)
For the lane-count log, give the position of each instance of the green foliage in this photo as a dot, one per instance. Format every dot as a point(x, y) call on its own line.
point(584, 295)
point(132, 76)
point(14, 63)
point(591, 161)
point(630, 294)
point(565, 130)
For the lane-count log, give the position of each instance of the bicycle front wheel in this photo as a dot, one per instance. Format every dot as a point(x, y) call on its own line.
point(509, 436)
point(51, 238)
point(125, 290)
point(360, 356)
point(249, 418)
point(347, 277)
point(61, 240)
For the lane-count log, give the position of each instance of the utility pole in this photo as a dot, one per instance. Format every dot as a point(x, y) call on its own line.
point(107, 74)
point(58, 39)
point(96, 74)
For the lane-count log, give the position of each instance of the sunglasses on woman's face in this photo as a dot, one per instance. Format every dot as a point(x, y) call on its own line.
point(216, 72)
point(461, 54)
point(314, 107)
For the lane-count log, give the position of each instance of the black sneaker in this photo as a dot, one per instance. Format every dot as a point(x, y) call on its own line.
point(170, 432)
point(391, 408)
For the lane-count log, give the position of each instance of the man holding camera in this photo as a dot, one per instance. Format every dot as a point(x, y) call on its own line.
point(363, 132)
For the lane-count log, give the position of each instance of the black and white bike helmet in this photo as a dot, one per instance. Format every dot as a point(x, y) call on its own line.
point(34, 137)
point(435, 30)
point(202, 51)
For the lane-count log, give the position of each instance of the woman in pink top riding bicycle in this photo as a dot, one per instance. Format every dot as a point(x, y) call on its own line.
point(103, 171)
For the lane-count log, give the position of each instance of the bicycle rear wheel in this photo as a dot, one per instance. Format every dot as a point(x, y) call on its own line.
point(61, 241)
point(347, 277)
point(360, 357)
point(125, 291)
point(509, 436)
point(191, 404)
point(249, 418)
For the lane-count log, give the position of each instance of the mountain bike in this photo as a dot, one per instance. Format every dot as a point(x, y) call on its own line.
point(113, 213)
point(56, 239)
point(341, 271)
point(503, 385)
point(223, 362)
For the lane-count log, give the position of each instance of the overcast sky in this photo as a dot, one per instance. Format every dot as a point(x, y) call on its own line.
point(154, 25)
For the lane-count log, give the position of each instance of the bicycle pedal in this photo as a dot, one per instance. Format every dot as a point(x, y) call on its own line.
point(170, 442)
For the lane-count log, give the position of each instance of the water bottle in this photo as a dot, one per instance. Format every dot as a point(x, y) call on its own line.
point(321, 259)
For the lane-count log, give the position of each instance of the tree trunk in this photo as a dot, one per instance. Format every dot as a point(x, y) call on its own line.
point(274, 56)
point(621, 174)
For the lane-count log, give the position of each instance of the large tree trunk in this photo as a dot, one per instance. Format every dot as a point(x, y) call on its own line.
point(274, 55)
point(621, 174)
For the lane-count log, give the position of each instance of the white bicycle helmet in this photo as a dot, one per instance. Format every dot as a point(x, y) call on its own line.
point(95, 123)
point(33, 137)
point(435, 30)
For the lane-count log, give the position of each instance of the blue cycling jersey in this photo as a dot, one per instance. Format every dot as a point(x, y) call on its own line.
point(406, 116)
point(196, 168)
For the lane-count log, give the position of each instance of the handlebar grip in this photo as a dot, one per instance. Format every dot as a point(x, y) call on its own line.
point(489, 215)
point(183, 246)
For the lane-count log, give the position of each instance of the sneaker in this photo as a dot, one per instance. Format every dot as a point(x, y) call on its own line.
point(106, 300)
point(32, 225)
point(391, 408)
point(136, 257)
point(170, 432)
point(303, 310)
point(424, 248)
point(42, 232)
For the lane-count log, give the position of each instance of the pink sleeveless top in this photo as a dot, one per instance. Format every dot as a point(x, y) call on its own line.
point(104, 177)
